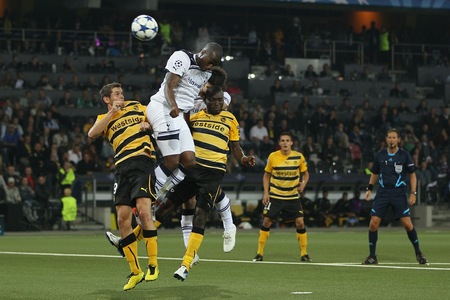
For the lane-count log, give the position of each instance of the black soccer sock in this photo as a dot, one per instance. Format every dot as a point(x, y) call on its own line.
point(373, 237)
point(412, 235)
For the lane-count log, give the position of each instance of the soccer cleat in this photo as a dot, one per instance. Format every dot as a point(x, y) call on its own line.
point(306, 258)
point(152, 273)
point(133, 280)
point(229, 239)
point(370, 260)
point(422, 259)
point(258, 257)
point(195, 260)
point(181, 273)
point(115, 241)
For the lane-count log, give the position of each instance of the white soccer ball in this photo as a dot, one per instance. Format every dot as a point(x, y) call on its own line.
point(144, 28)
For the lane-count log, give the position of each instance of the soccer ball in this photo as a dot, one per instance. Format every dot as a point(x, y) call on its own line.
point(144, 28)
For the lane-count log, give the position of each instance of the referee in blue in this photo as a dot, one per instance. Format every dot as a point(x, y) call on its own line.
point(390, 168)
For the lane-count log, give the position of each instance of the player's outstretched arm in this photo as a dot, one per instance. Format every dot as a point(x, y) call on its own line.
point(100, 125)
point(249, 161)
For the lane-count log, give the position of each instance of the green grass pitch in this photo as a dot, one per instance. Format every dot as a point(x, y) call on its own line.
point(83, 265)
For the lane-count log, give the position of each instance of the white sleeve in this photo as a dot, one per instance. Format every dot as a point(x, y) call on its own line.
point(178, 63)
point(226, 98)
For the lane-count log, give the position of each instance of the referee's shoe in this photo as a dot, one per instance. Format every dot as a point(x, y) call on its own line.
point(370, 260)
point(422, 259)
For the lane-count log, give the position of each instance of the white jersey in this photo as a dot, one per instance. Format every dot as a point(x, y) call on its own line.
point(199, 104)
point(182, 63)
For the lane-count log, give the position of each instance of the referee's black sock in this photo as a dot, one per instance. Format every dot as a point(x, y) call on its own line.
point(373, 237)
point(412, 235)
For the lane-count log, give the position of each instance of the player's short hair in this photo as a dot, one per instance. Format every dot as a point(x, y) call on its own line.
point(393, 130)
point(288, 133)
point(211, 91)
point(218, 76)
point(214, 52)
point(106, 90)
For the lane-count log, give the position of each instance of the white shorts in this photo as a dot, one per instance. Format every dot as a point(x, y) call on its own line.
point(172, 135)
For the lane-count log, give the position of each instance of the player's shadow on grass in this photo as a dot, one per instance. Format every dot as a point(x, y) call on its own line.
point(182, 292)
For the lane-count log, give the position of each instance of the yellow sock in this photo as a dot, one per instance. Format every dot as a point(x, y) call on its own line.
point(302, 239)
point(195, 240)
point(131, 256)
point(138, 232)
point(152, 250)
point(262, 240)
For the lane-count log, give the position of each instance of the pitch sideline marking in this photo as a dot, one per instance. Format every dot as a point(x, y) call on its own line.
point(355, 265)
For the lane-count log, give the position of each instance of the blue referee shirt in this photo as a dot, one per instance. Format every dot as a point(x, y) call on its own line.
point(393, 168)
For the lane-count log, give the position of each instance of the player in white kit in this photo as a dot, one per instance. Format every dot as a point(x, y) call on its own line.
point(186, 74)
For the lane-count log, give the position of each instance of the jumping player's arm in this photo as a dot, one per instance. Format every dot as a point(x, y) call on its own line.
point(100, 124)
point(239, 154)
point(172, 80)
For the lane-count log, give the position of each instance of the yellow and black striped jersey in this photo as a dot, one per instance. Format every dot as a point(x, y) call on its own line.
point(124, 134)
point(285, 173)
point(211, 135)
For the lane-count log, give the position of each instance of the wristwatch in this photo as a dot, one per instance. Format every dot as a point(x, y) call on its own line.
point(414, 193)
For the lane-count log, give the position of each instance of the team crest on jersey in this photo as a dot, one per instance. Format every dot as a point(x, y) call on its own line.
point(135, 107)
point(177, 64)
point(398, 168)
point(222, 120)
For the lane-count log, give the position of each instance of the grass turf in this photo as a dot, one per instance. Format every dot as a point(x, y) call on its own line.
point(83, 265)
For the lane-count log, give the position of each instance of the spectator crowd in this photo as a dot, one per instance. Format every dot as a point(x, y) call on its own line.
point(43, 152)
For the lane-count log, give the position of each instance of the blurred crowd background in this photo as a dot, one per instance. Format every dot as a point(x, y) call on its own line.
point(338, 103)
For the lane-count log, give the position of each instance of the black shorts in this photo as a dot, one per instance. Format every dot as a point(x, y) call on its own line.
point(290, 209)
point(134, 178)
point(204, 183)
point(395, 198)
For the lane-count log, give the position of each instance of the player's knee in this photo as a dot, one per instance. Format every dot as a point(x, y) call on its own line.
point(190, 203)
point(300, 223)
point(123, 222)
point(187, 159)
point(374, 224)
point(171, 162)
point(267, 222)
